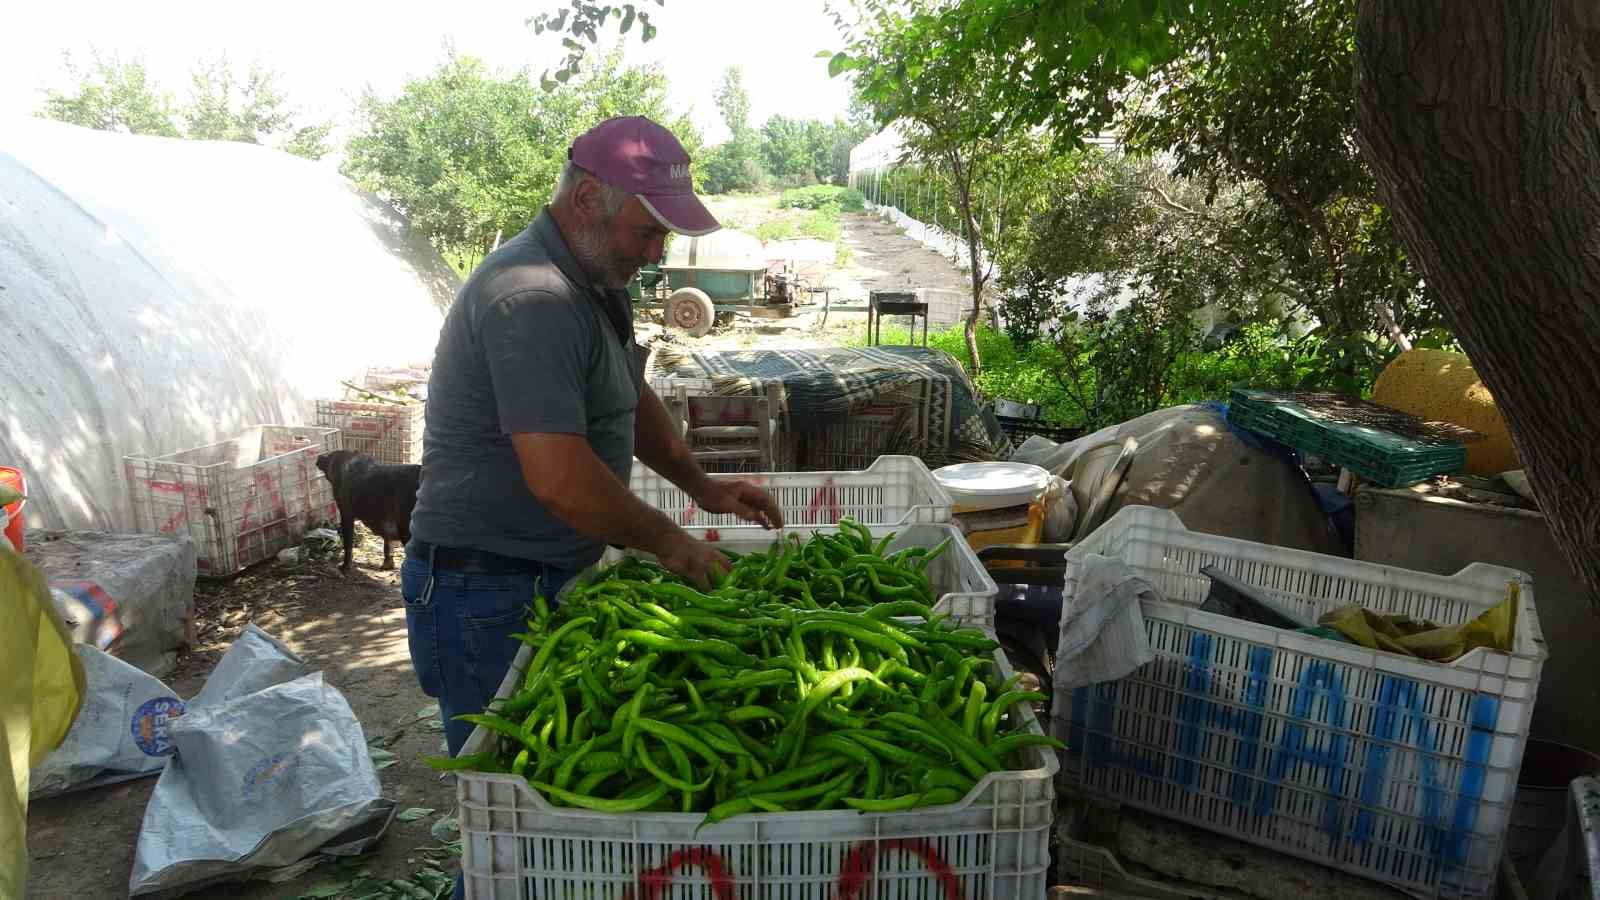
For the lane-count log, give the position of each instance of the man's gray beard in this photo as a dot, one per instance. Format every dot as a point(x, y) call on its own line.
point(603, 268)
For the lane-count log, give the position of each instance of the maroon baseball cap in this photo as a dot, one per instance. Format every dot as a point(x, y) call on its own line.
point(644, 159)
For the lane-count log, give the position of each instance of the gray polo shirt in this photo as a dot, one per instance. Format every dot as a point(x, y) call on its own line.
point(530, 345)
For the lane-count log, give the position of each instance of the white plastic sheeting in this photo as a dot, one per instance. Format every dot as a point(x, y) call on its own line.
point(158, 294)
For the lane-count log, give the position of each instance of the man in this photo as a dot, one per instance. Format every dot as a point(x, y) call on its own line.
point(536, 408)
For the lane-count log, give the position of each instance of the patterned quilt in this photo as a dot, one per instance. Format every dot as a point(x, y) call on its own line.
point(939, 416)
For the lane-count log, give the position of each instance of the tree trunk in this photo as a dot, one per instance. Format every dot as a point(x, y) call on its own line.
point(1481, 120)
point(963, 177)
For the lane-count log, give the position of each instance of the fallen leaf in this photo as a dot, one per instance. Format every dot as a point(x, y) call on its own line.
point(327, 889)
point(413, 814)
point(446, 828)
point(428, 711)
point(381, 758)
point(435, 725)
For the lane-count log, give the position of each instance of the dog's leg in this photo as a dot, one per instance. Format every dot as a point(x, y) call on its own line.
point(347, 534)
point(388, 555)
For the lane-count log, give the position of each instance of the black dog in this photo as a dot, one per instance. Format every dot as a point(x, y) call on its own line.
point(380, 495)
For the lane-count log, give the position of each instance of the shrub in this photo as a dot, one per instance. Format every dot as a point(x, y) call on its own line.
point(820, 195)
point(775, 230)
point(822, 223)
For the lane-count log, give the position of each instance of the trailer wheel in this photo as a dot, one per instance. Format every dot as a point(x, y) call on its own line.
point(690, 310)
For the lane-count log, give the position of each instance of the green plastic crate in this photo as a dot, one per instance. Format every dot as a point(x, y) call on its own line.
point(1382, 457)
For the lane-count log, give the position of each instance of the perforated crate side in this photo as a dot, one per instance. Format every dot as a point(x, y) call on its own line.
point(964, 588)
point(994, 843)
point(391, 433)
point(893, 491)
point(1391, 767)
point(241, 500)
point(849, 444)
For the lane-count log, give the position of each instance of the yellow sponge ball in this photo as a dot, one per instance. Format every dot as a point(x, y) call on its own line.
point(1443, 386)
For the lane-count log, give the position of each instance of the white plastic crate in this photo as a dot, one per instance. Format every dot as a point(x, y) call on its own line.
point(391, 432)
point(993, 844)
point(241, 500)
point(849, 444)
point(853, 442)
point(893, 491)
point(1384, 765)
point(964, 589)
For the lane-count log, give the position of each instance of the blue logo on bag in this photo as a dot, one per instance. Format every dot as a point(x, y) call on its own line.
point(149, 725)
point(268, 773)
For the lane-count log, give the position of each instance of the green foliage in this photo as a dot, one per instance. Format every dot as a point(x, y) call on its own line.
point(467, 153)
point(775, 230)
point(585, 19)
point(822, 224)
point(735, 164)
point(113, 95)
point(734, 103)
point(818, 196)
point(118, 96)
point(1257, 356)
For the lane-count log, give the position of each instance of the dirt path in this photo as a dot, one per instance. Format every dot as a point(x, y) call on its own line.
point(353, 628)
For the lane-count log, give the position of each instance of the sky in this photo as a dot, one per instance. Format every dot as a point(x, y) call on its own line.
point(328, 51)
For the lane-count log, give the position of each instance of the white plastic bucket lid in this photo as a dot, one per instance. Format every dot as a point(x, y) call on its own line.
point(992, 485)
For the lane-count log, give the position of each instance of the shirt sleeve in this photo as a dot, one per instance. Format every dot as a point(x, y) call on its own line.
point(537, 344)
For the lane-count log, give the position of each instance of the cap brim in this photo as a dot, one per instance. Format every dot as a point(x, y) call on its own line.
point(682, 213)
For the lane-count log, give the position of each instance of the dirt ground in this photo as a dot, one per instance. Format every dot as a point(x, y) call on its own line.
point(352, 627)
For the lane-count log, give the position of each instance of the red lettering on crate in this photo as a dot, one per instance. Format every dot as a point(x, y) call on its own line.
point(824, 508)
point(657, 881)
point(860, 865)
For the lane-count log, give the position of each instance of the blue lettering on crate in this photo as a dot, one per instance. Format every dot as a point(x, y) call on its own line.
point(1092, 736)
point(1398, 696)
point(1196, 707)
point(1318, 678)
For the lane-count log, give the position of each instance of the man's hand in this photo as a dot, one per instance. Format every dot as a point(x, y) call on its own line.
point(743, 499)
point(697, 561)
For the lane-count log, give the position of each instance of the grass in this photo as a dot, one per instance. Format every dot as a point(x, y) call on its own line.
point(822, 224)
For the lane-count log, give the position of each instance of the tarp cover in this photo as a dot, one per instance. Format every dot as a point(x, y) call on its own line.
point(158, 294)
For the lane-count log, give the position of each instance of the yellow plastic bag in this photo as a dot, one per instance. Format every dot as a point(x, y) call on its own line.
point(1495, 628)
point(41, 690)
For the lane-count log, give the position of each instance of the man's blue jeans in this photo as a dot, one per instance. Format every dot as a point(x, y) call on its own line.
point(460, 630)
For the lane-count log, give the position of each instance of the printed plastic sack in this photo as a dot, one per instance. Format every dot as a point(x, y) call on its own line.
point(258, 782)
point(256, 660)
point(120, 734)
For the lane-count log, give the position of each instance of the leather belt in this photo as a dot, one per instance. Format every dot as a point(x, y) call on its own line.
point(468, 561)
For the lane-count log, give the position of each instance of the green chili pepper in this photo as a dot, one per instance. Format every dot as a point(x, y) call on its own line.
point(991, 718)
point(624, 804)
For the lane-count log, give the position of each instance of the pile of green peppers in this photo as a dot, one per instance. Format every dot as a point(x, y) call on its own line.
point(814, 676)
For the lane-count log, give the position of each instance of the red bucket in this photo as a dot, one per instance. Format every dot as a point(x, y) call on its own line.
point(13, 530)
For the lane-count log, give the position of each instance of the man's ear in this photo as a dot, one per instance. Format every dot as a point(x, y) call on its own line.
point(586, 199)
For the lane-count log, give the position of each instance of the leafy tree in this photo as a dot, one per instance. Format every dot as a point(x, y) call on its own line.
point(1478, 120)
point(113, 95)
point(118, 96)
point(735, 164)
point(734, 103)
point(951, 131)
point(468, 154)
point(254, 111)
point(585, 19)
point(1263, 95)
